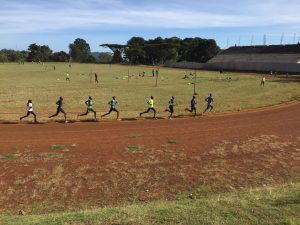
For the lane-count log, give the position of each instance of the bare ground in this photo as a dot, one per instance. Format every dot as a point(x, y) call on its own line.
point(57, 166)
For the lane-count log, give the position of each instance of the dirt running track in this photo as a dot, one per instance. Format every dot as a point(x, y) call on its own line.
point(97, 165)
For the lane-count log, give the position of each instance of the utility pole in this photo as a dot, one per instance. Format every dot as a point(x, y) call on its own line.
point(282, 37)
point(156, 77)
point(195, 79)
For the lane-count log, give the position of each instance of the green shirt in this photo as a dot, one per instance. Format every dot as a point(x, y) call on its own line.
point(89, 104)
point(151, 103)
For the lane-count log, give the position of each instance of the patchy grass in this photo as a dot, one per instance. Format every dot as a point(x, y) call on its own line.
point(58, 147)
point(48, 84)
point(219, 162)
point(52, 154)
point(269, 205)
point(134, 147)
point(173, 142)
point(204, 190)
point(135, 135)
point(8, 156)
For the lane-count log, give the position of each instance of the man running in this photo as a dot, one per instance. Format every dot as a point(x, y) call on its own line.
point(112, 104)
point(59, 104)
point(89, 104)
point(29, 111)
point(193, 106)
point(171, 107)
point(209, 101)
point(150, 107)
point(67, 77)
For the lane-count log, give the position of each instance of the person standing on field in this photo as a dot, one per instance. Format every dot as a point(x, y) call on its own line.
point(67, 77)
point(90, 108)
point(112, 104)
point(263, 81)
point(29, 111)
point(193, 106)
point(209, 101)
point(150, 103)
point(96, 78)
point(59, 104)
point(171, 107)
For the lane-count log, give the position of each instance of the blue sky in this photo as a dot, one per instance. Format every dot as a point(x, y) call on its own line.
point(59, 22)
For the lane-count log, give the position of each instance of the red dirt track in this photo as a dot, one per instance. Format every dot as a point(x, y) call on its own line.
point(225, 151)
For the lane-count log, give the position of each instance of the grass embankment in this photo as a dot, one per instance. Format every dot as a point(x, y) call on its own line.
point(44, 85)
point(268, 205)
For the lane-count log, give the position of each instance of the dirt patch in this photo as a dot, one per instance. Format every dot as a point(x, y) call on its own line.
point(57, 166)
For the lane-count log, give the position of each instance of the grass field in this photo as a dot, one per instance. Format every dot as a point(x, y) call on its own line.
point(43, 85)
point(268, 205)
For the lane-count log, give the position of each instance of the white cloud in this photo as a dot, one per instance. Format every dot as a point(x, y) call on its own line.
point(47, 16)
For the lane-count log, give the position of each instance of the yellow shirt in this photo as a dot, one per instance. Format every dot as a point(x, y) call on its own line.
point(151, 103)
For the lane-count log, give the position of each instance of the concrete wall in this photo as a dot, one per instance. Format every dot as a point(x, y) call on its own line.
point(289, 63)
point(185, 65)
point(286, 63)
point(254, 66)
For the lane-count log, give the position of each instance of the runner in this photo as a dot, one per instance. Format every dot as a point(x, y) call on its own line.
point(150, 108)
point(29, 111)
point(171, 107)
point(209, 101)
point(112, 104)
point(89, 103)
point(193, 106)
point(67, 77)
point(59, 104)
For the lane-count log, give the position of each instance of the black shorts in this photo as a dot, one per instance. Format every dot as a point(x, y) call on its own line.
point(171, 108)
point(60, 110)
point(209, 106)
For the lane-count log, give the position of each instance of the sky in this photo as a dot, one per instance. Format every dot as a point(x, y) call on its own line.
point(57, 23)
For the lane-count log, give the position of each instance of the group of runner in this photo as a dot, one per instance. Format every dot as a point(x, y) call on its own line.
point(113, 103)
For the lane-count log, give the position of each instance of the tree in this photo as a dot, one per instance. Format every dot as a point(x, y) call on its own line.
point(117, 57)
point(91, 59)
point(135, 52)
point(80, 50)
point(3, 57)
point(39, 53)
point(46, 53)
point(60, 56)
point(105, 57)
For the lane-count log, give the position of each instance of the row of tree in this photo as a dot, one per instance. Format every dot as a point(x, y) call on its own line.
point(159, 50)
point(136, 51)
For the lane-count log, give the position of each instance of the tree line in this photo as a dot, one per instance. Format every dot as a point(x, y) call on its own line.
point(136, 51)
point(159, 50)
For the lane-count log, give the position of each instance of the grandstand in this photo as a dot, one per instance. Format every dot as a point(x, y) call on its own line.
point(276, 58)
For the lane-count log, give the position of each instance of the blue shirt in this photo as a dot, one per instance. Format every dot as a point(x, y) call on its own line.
point(209, 100)
point(193, 102)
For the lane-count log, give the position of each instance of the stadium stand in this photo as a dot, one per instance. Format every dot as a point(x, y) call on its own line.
point(276, 58)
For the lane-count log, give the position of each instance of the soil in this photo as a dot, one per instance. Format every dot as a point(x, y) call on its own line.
point(56, 166)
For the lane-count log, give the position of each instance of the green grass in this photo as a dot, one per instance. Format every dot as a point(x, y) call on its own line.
point(18, 83)
point(134, 147)
point(58, 147)
point(269, 205)
point(135, 135)
point(8, 156)
point(52, 154)
point(173, 142)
